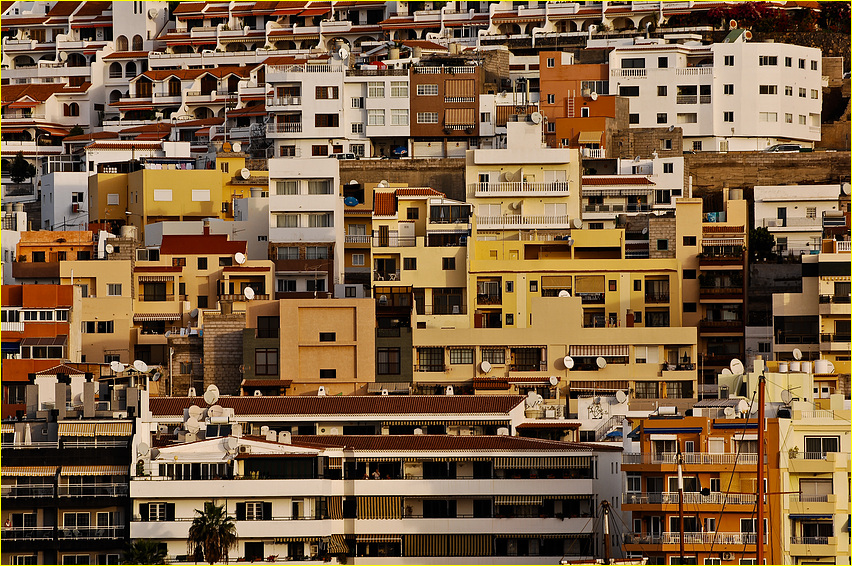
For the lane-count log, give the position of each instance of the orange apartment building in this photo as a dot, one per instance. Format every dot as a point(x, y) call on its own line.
point(576, 102)
point(720, 486)
point(39, 253)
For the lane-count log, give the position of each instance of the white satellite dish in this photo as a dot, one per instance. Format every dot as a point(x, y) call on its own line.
point(237, 429)
point(215, 411)
point(116, 366)
point(240, 258)
point(343, 53)
point(321, 391)
point(742, 406)
point(63, 56)
point(754, 407)
point(730, 412)
point(193, 313)
point(245, 174)
point(532, 399)
point(568, 361)
point(737, 367)
point(554, 381)
point(258, 393)
point(140, 366)
point(210, 397)
point(786, 396)
point(248, 293)
point(109, 248)
point(237, 146)
point(213, 387)
point(564, 294)
point(726, 371)
point(232, 443)
point(195, 412)
point(190, 392)
point(594, 96)
point(335, 431)
point(577, 223)
point(143, 449)
point(449, 390)
point(797, 354)
point(620, 396)
point(152, 13)
point(485, 366)
point(168, 333)
point(156, 376)
point(601, 362)
point(536, 117)
point(830, 367)
point(192, 425)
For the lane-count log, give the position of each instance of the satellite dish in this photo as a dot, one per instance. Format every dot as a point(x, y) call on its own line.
point(645, 230)
point(554, 381)
point(192, 425)
point(830, 367)
point(213, 387)
point(248, 293)
point(343, 53)
point(245, 173)
point(152, 13)
point(577, 223)
point(232, 443)
point(350, 201)
point(156, 376)
point(485, 366)
point(195, 412)
point(109, 248)
point(754, 407)
point(797, 354)
point(240, 258)
point(143, 449)
point(786, 396)
point(601, 362)
point(63, 56)
point(726, 371)
point(737, 367)
point(594, 96)
point(568, 361)
point(742, 406)
point(536, 117)
point(733, 24)
point(449, 390)
point(237, 146)
point(384, 392)
point(168, 333)
point(671, 128)
point(321, 391)
point(257, 393)
point(532, 399)
point(116, 366)
point(564, 294)
point(193, 313)
point(620, 396)
point(210, 397)
point(140, 366)
point(236, 429)
point(215, 410)
point(335, 431)
point(730, 412)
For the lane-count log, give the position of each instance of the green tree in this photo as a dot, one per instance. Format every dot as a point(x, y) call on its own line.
point(145, 551)
point(20, 170)
point(76, 131)
point(212, 533)
point(761, 242)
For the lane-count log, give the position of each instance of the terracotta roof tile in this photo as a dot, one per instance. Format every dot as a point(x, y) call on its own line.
point(348, 405)
point(419, 192)
point(187, 74)
point(441, 442)
point(127, 55)
point(92, 136)
point(549, 424)
point(384, 204)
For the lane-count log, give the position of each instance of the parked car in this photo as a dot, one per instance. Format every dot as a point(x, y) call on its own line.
point(343, 156)
point(783, 148)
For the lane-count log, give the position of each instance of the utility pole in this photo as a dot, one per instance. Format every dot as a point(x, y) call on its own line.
point(761, 454)
point(680, 498)
point(605, 507)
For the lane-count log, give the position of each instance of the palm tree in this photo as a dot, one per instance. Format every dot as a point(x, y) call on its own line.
point(212, 533)
point(145, 551)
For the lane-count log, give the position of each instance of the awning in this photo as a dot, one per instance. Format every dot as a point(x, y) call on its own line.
point(28, 471)
point(335, 507)
point(7, 428)
point(114, 429)
point(380, 507)
point(590, 137)
point(625, 192)
point(314, 12)
point(802, 516)
point(54, 131)
point(596, 350)
point(740, 437)
point(549, 462)
point(94, 471)
point(556, 282)
point(378, 538)
point(155, 278)
point(335, 463)
point(663, 437)
point(460, 117)
point(447, 545)
point(599, 386)
point(518, 500)
point(337, 545)
point(24, 104)
point(155, 316)
point(462, 88)
point(56, 341)
point(11, 347)
point(77, 429)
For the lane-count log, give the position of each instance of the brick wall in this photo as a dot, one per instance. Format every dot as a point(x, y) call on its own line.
point(223, 351)
point(643, 142)
point(663, 228)
point(188, 349)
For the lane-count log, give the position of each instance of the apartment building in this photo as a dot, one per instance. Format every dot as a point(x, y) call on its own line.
point(729, 96)
point(305, 226)
point(793, 214)
point(324, 345)
point(14, 223)
point(39, 254)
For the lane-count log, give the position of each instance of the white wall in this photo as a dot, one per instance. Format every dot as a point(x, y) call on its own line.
point(56, 205)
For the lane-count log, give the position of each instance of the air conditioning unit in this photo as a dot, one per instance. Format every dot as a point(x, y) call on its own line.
point(245, 449)
point(75, 207)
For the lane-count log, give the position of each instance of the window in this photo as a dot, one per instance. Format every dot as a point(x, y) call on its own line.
point(633, 63)
point(768, 117)
point(357, 148)
point(315, 285)
point(376, 117)
point(633, 119)
point(20, 559)
point(510, 319)
point(319, 150)
point(427, 90)
point(788, 61)
point(254, 511)
point(788, 118)
point(814, 94)
point(75, 559)
point(157, 511)
point(510, 287)
point(350, 292)
point(551, 62)
point(814, 66)
point(788, 91)
point(768, 89)
point(803, 92)
point(533, 286)
point(613, 285)
point(267, 326)
point(387, 361)
point(287, 252)
point(357, 260)
point(810, 212)
point(662, 117)
point(326, 92)
point(662, 90)
point(76, 197)
point(817, 446)
point(729, 60)
point(637, 285)
point(494, 355)
point(327, 120)
point(662, 245)
point(689, 241)
point(485, 117)
point(328, 373)
point(803, 120)
point(770, 60)
point(551, 99)
point(584, 113)
point(634, 482)
point(712, 561)
point(316, 252)
point(286, 285)
point(320, 187)
point(375, 90)
point(409, 263)
point(327, 336)
point(399, 117)
point(728, 116)
point(320, 220)
point(357, 102)
point(801, 63)
point(662, 62)
point(202, 301)
point(448, 263)
point(687, 118)
point(668, 167)
point(690, 307)
point(114, 289)
point(266, 361)
point(461, 356)
point(186, 368)
point(427, 117)
point(399, 89)
point(357, 127)
point(628, 91)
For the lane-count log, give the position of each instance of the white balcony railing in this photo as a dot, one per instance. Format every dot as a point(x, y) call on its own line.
point(592, 153)
point(690, 498)
point(713, 538)
point(12, 327)
point(484, 189)
point(357, 239)
point(702, 458)
point(632, 73)
point(845, 246)
point(284, 128)
point(515, 220)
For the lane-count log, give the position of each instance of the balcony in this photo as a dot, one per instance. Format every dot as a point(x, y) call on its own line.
point(27, 533)
point(836, 299)
point(517, 189)
point(687, 99)
point(515, 221)
point(691, 458)
point(241, 297)
point(592, 298)
point(834, 341)
point(592, 153)
point(656, 298)
point(386, 275)
point(156, 298)
point(713, 292)
point(720, 326)
point(709, 538)
point(801, 504)
point(28, 490)
point(394, 241)
point(12, 327)
point(283, 101)
point(733, 259)
point(489, 299)
point(92, 533)
point(284, 128)
point(35, 270)
point(689, 498)
point(629, 73)
point(813, 546)
point(834, 305)
point(440, 368)
point(357, 239)
point(303, 265)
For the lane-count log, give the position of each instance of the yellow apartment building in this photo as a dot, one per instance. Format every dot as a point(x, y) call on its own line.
point(315, 343)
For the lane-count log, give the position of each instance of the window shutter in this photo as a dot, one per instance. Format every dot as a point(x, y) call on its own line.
point(143, 511)
point(170, 511)
point(241, 511)
point(267, 510)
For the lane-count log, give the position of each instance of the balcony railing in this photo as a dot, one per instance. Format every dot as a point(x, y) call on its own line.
point(837, 299)
point(516, 220)
point(517, 187)
point(802, 498)
point(593, 153)
point(689, 497)
point(357, 238)
point(489, 299)
point(94, 490)
point(394, 241)
point(112, 532)
point(835, 337)
point(809, 540)
point(386, 275)
point(592, 298)
point(656, 297)
point(713, 290)
point(699, 458)
point(29, 490)
point(632, 73)
point(27, 533)
point(284, 128)
point(12, 327)
point(807, 455)
point(712, 538)
point(431, 367)
point(283, 100)
point(156, 298)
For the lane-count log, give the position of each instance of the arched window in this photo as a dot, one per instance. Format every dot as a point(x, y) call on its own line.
point(115, 71)
point(130, 70)
point(114, 96)
point(74, 109)
point(137, 43)
point(121, 43)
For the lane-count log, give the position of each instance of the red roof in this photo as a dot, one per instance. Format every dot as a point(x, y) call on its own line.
point(349, 405)
point(195, 244)
point(247, 269)
point(384, 204)
point(549, 424)
point(615, 180)
point(92, 136)
point(440, 442)
point(127, 55)
point(419, 192)
point(118, 145)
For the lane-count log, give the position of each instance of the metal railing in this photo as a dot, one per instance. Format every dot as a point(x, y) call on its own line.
point(386, 275)
point(284, 128)
point(691, 538)
point(592, 298)
point(807, 455)
point(439, 70)
point(459, 99)
point(701, 458)
point(818, 414)
point(835, 338)
point(489, 299)
point(431, 367)
point(689, 497)
point(111, 532)
point(802, 498)
point(518, 187)
point(17, 445)
point(357, 239)
point(513, 220)
point(837, 299)
point(687, 99)
point(809, 540)
point(306, 68)
point(656, 297)
point(96, 443)
point(156, 298)
point(27, 533)
point(394, 241)
point(27, 490)
point(93, 490)
point(283, 100)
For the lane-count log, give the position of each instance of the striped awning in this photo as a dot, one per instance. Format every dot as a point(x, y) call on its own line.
point(590, 137)
point(379, 459)
point(379, 538)
point(335, 507)
point(94, 471)
point(380, 507)
point(556, 282)
point(518, 500)
point(114, 429)
point(155, 316)
point(155, 278)
point(623, 192)
point(600, 386)
point(7, 428)
point(595, 350)
point(335, 463)
point(337, 545)
point(547, 462)
point(28, 471)
point(77, 429)
point(460, 117)
point(447, 545)
point(722, 241)
point(460, 88)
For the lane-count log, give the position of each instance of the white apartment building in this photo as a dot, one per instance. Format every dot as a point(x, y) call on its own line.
point(305, 224)
point(793, 214)
point(377, 111)
point(734, 96)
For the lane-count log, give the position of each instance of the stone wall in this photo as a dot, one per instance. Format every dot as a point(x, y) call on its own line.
point(643, 142)
point(662, 228)
point(445, 175)
point(223, 351)
point(188, 350)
